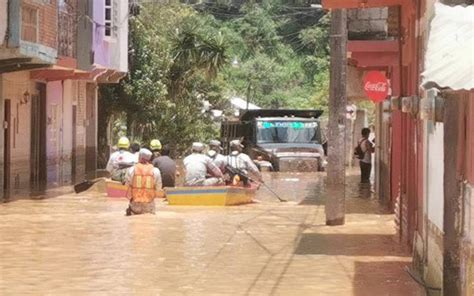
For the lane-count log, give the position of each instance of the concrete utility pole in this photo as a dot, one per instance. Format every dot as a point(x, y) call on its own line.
point(452, 218)
point(336, 170)
point(456, 255)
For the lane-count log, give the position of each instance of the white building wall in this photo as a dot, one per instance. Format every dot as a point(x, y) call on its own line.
point(119, 51)
point(435, 174)
point(433, 204)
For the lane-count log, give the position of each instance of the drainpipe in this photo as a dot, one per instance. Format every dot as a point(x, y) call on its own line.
point(7, 31)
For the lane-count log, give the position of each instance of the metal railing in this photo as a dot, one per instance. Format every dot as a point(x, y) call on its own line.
point(67, 34)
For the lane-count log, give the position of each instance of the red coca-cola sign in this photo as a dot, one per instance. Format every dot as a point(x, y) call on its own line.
point(376, 86)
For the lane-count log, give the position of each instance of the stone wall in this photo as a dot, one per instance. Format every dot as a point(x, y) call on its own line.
point(367, 23)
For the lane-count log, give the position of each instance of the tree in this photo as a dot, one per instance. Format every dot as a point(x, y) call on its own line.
point(183, 59)
point(173, 64)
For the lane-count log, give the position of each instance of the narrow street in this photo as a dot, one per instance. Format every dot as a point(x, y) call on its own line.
point(85, 245)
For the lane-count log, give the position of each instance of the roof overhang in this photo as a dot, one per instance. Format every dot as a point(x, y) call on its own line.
point(103, 74)
point(449, 59)
point(56, 73)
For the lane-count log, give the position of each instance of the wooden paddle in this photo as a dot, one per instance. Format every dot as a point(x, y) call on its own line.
point(85, 185)
point(242, 174)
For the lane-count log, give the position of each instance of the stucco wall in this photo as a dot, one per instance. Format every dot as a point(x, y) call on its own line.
point(434, 181)
point(81, 131)
point(3, 20)
point(111, 52)
point(100, 45)
point(54, 97)
point(433, 204)
point(14, 86)
point(434, 257)
point(62, 96)
point(84, 36)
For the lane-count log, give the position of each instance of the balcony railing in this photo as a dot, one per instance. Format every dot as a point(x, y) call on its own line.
point(67, 34)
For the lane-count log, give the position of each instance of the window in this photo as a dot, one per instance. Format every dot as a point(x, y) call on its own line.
point(29, 24)
point(288, 132)
point(108, 18)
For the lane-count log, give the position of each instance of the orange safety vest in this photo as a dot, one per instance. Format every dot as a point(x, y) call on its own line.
point(143, 183)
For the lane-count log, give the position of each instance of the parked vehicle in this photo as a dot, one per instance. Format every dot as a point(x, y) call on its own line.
point(289, 139)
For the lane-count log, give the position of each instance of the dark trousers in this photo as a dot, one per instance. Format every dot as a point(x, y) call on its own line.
point(365, 169)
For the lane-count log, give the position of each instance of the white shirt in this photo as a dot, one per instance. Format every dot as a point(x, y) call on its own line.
point(220, 161)
point(243, 162)
point(137, 156)
point(118, 158)
point(366, 146)
point(197, 167)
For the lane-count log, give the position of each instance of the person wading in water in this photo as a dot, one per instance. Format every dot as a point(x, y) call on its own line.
point(143, 180)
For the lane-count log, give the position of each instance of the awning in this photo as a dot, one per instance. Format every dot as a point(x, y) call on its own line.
point(449, 60)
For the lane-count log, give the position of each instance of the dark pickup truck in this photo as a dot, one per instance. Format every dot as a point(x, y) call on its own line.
point(289, 139)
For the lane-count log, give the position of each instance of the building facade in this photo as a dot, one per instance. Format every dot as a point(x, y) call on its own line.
point(424, 128)
point(48, 87)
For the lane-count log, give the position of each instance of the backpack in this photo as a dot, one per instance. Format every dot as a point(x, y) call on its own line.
point(359, 154)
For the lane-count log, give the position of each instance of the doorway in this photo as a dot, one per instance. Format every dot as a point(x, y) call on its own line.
point(74, 144)
point(38, 175)
point(7, 146)
point(91, 131)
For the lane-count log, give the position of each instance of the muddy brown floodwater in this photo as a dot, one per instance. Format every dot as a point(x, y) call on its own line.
point(84, 245)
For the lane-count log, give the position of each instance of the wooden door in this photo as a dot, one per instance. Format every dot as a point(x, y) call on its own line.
point(38, 174)
point(91, 131)
point(7, 146)
point(74, 144)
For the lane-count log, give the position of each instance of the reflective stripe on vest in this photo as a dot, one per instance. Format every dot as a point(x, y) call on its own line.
point(143, 183)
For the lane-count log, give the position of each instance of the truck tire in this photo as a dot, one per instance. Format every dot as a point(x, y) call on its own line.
point(320, 165)
point(276, 165)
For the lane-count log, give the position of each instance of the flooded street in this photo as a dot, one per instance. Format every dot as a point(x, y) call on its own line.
point(83, 244)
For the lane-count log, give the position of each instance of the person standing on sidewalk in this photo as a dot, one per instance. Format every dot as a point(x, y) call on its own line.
point(364, 151)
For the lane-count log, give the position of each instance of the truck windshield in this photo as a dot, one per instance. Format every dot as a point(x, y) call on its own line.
point(288, 132)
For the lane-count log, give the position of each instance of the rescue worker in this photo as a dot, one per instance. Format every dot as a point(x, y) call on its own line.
point(241, 161)
point(214, 153)
point(167, 167)
point(134, 149)
point(198, 166)
point(144, 180)
point(155, 147)
point(120, 160)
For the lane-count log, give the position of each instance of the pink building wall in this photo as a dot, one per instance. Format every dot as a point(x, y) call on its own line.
point(54, 98)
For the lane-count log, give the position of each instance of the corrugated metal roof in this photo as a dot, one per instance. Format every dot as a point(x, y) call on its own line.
point(449, 60)
point(240, 103)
